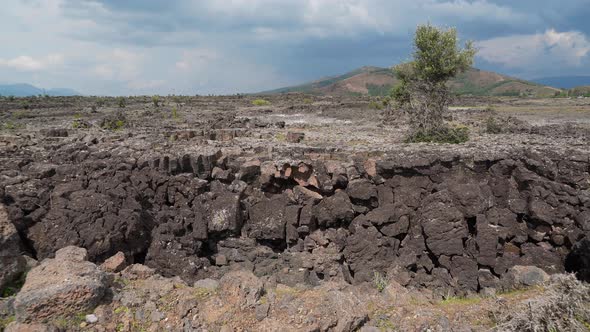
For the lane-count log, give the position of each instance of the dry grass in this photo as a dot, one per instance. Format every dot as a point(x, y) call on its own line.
point(564, 306)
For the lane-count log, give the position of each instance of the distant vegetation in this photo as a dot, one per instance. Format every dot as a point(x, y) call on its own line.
point(121, 102)
point(260, 102)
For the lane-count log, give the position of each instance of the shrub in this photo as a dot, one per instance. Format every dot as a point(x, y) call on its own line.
point(156, 100)
point(121, 102)
point(80, 124)
point(260, 102)
point(308, 101)
point(492, 126)
point(25, 105)
point(114, 122)
point(376, 105)
point(563, 306)
point(452, 135)
point(9, 125)
point(422, 91)
point(379, 281)
point(174, 112)
point(100, 102)
point(11, 98)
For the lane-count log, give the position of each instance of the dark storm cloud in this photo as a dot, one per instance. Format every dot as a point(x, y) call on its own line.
point(248, 45)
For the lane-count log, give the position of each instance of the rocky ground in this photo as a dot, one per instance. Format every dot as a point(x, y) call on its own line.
point(298, 213)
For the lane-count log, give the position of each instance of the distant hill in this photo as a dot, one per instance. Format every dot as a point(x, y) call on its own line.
point(25, 90)
point(376, 81)
point(564, 82)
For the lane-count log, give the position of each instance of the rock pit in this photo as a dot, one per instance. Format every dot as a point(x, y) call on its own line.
point(202, 199)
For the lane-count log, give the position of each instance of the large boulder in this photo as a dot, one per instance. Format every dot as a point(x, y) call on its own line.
point(241, 288)
point(362, 192)
point(523, 276)
point(12, 263)
point(367, 251)
point(333, 210)
point(268, 219)
point(443, 224)
point(223, 213)
point(66, 285)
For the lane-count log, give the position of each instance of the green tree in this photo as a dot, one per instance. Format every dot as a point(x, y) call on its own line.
point(423, 91)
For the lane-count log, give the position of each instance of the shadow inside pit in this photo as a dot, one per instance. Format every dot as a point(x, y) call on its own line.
point(578, 260)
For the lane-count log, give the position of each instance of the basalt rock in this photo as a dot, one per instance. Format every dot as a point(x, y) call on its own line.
point(12, 263)
point(60, 287)
point(443, 221)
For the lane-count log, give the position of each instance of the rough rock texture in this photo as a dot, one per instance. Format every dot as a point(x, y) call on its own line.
point(63, 286)
point(12, 263)
point(445, 221)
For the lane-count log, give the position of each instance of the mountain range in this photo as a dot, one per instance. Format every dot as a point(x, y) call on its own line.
point(377, 81)
point(26, 90)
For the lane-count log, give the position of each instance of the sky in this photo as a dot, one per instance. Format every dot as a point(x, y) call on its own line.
point(131, 47)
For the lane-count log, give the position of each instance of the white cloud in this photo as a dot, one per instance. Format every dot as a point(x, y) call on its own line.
point(196, 58)
point(565, 49)
point(28, 63)
point(119, 64)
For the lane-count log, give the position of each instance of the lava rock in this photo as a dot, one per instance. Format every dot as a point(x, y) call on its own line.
point(267, 219)
point(334, 209)
point(59, 287)
point(12, 263)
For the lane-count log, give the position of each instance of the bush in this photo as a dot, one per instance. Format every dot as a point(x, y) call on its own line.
point(260, 102)
point(80, 124)
point(100, 102)
point(492, 126)
point(121, 102)
point(25, 105)
point(9, 125)
point(451, 135)
point(114, 122)
point(156, 101)
point(563, 306)
point(376, 105)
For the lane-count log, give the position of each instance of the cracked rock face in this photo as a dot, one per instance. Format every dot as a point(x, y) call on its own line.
point(460, 229)
point(12, 263)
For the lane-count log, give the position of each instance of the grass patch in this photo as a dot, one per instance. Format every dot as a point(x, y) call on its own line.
point(5, 321)
point(121, 310)
point(281, 137)
point(203, 293)
point(69, 323)
point(9, 125)
point(379, 282)
point(455, 300)
point(260, 102)
point(385, 325)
